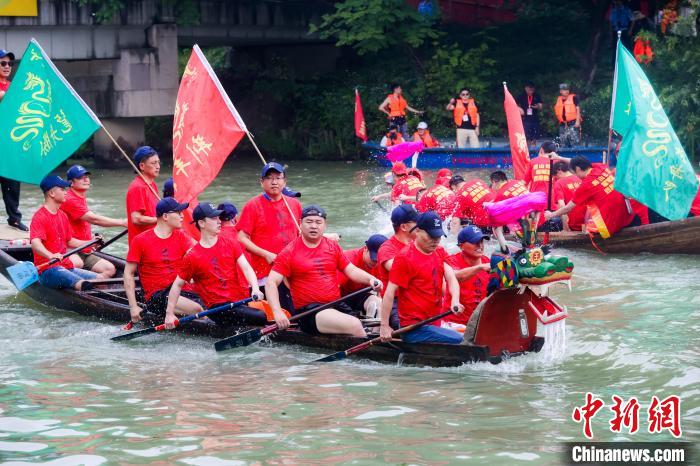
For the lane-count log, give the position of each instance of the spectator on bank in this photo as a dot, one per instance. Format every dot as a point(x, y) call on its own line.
point(530, 105)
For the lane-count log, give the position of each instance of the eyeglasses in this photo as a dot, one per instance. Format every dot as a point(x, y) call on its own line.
point(5, 63)
point(464, 93)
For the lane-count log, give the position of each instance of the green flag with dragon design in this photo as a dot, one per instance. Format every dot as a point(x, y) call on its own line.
point(42, 119)
point(652, 165)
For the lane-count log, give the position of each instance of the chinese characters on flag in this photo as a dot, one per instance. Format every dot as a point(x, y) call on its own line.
point(360, 126)
point(206, 128)
point(516, 135)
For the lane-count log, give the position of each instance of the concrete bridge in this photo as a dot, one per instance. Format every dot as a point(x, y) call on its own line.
point(126, 68)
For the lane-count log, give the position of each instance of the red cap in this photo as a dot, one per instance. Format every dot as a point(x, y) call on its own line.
point(399, 168)
point(444, 172)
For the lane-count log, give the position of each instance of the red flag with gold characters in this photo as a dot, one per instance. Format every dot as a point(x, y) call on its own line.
point(360, 127)
point(516, 134)
point(206, 128)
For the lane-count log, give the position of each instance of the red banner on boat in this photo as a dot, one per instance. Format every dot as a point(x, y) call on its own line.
point(206, 128)
point(516, 135)
point(360, 126)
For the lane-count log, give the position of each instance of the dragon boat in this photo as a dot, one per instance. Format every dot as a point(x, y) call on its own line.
point(509, 322)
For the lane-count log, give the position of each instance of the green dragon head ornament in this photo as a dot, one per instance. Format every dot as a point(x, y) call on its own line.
point(533, 267)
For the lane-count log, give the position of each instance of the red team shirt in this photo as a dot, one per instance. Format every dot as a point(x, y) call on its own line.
point(471, 290)
point(54, 231)
point(312, 272)
point(408, 185)
point(597, 190)
point(215, 272)
point(355, 256)
point(439, 199)
point(270, 226)
point(695, 207)
point(470, 200)
point(387, 251)
point(139, 198)
point(564, 190)
point(75, 207)
point(537, 174)
point(159, 260)
point(510, 189)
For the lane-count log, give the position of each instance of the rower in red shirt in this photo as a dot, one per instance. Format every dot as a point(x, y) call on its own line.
point(504, 188)
point(364, 258)
point(229, 215)
point(214, 265)
point(157, 256)
point(562, 192)
point(437, 198)
point(50, 235)
point(142, 197)
point(416, 279)
point(311, 263)
point(443, 177)
point(81, 218)
point(607, 207)
point(472, 269)
point(469, 202)
point(407, 187)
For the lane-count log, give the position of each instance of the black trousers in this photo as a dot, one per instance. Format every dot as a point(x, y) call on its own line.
point(10, 194)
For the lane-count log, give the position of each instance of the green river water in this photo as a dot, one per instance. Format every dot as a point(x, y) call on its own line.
point(69, 396)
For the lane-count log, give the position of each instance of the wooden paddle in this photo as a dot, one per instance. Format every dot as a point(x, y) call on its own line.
point(356, 349)
point(251, 336)
point(182, 320)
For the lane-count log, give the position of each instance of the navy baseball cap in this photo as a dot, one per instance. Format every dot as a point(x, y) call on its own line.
point(313, 210)
point(169, 188)
point(142, 153)
point(168, 204)
point(53, 181)
point(471, 234)
point(456, 179)
point(228, 210)
point(403, 214)
point(431, 223)
point(373, 244)
point(288, 192)
point(4, 53)
point(76, 171)
point(205, 210)
point(271, 166)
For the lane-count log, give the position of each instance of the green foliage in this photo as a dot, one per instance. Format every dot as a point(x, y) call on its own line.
point(217, 57)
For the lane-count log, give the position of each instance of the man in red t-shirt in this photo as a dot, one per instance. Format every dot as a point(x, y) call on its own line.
point(81, 218)
point(398, 172)
point(50, 235)
point(364, 258)
point(142, 194)
point(472, 269)
point(563, 191)
point(437, 198)
point(406, 189)
point(443, 177)
point(469, 202)
point(214, 265)
point(157, 256)
point(607, 208)
point(310, 264)
point(229, 215)
point(504, 188)
point(416, 279)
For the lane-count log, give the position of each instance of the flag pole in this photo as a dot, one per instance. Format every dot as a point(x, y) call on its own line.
point(606, 157)
point(155, 193)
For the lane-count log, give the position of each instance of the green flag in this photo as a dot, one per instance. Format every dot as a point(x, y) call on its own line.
point(652, 166)
point(42, 119)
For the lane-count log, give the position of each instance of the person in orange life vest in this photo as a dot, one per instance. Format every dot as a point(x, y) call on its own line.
point(437, 198)
point(141, 198)
point(443, 177)
point(81, 218)
point(423, 134)
point(213, 265)
point(416, 280)
point(530, 105)
point(568, 115)
point(406, 189)
point(310, 264)
point(472, 269)
point(398, 172)
point(563, 191)
point(50, 236)
point(395, 106)
point(392, 137)
point(466, 117)
point(606, 207)
point(469, 202)
point(364, 258)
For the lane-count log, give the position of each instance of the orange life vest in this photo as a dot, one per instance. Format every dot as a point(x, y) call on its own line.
point(397, 105)
point(470, 109)
point(267, 309)
point(642, 51)
point(567, 105)
point(390, 142)
point(427, 139)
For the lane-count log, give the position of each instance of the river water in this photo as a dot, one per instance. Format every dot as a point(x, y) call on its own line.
point(69, 396)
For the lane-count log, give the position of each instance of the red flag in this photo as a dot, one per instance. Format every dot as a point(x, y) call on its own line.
point(516, 134)
point(206, 128)
point(360, 127)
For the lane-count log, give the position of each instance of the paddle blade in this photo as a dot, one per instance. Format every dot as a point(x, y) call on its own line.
point(23, 274)
point(339, 356)
point(237, 341)
point(132, 335)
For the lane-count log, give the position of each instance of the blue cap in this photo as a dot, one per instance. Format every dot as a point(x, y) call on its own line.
point(142, 153)
point(431, 223)
point(228, 210)
point(205, 210)
point(288, 192)
point(76, 171)
point(403, 214)
point(271, 166)
point(313, 210)
point(373, 244)
point(4, 53)
point(168, 204)
point(169, 188)
point(52, 181)
point(471, 234)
